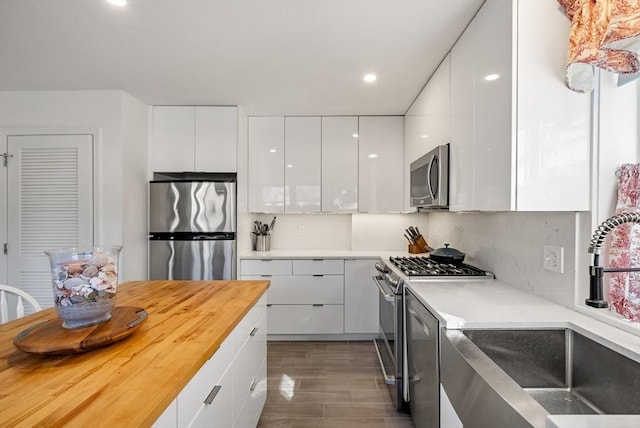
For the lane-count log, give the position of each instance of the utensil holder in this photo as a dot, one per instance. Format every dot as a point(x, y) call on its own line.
point(263, 242)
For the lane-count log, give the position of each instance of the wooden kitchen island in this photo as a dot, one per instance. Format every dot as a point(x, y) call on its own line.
point(131, 382)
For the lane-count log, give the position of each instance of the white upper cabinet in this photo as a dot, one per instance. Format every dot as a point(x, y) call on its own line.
point(461, 148)
point(194, 138)
point(172, 146)
point(266, 164)
point(427, 121)
point(302, 164)
point(519, 138)
point(380, 166)
point(216, 131)
point(553, 128)
point(340, 164)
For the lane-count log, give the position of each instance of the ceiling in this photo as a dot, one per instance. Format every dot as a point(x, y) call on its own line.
point(271, 57)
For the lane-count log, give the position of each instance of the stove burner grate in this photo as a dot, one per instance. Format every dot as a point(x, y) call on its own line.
point(424, 266)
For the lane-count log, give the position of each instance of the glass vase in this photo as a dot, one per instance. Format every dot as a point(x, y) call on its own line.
point(85, 283)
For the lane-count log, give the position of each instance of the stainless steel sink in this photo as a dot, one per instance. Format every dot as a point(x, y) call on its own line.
point(511, 377)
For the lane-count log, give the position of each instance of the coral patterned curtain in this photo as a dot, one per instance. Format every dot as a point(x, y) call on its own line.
point(624, 251)
point(605, 34)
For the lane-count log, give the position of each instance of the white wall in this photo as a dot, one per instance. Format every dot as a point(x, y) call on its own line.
point(121, 165)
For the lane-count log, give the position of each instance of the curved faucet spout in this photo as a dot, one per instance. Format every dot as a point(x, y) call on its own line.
point(596, 271)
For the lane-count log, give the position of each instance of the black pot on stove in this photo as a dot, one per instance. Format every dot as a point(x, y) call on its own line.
point(447, 255)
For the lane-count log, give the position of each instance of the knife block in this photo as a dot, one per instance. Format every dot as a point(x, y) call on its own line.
point(416, 249)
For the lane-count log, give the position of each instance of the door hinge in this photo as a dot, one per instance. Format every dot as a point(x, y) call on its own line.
point(5, 249)
point(5, 157)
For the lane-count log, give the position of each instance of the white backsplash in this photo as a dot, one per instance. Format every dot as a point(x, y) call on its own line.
point(511, 246)
point(383, 231)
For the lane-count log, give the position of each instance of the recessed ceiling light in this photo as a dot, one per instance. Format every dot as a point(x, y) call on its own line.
point(424, 136)
point(120, 3)
point(370, 78)
point(355, 135)
point(373, 155)
point(289, 166)
point(272, 151)
point(490, 77)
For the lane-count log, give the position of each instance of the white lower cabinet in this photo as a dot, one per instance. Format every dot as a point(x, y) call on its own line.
point(229, 390)
point(308, 299)
point(317, 296)
point(360, 297)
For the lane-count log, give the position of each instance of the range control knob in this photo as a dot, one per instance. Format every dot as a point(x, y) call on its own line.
point(381, 267)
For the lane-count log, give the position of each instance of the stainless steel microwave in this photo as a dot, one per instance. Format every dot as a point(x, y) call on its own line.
point(430, 180)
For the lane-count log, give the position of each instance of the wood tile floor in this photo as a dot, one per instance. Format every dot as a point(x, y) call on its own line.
point(327, 384)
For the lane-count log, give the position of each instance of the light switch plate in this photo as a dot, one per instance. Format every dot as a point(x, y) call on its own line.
point(553, 258)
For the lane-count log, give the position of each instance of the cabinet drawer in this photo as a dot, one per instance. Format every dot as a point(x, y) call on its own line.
point(192, 397)
point(265, 267)
point(305, 319)
point(246, 368)
point(305, 289)
point(249, 325)
point(253, 405)
point(318, 267)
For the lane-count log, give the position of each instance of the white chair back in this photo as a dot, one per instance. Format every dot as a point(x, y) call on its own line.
point(21, 296)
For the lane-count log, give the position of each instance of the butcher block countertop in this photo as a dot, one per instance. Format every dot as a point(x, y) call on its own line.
point(131, 382)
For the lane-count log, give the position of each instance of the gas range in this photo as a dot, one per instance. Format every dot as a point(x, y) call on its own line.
point(419, 267)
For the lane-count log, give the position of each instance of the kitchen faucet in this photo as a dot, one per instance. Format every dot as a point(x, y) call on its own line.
point(596, 271)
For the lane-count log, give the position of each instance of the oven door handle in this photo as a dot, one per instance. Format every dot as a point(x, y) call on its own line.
point(387, 297)
point(418, 321)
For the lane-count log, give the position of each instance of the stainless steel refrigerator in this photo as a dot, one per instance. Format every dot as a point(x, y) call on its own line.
point(192, 226)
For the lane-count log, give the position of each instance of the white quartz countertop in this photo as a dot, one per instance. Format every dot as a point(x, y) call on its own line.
point(323, 254)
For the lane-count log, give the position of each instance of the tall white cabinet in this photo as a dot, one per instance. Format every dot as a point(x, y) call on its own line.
point(519, 138)
point(381, 164)
point(194, 138)
point(302, 164)
point(339, 164)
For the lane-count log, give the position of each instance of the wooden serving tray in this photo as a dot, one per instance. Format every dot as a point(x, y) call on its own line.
point(50, 338)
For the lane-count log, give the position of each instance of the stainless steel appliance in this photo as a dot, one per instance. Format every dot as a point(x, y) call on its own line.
point(390, 282)
point(422, 334)
point(192, 226)
point(429, 180)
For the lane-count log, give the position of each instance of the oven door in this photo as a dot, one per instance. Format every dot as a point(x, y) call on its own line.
point(389, 343)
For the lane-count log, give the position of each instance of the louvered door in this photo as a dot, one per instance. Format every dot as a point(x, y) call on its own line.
point(49, 205)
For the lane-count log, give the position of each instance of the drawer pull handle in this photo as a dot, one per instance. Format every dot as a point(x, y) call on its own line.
point(212, 394)
point(266, 276)
point(254, 330)
point(266, 260)
point(269, 305)
point(317, 260)
point(317, 305)
point(318, 275)
point(254, 383)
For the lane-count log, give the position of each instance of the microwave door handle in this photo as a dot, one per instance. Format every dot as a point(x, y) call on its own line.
point(429, 187)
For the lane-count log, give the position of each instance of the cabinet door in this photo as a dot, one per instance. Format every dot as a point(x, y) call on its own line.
point(266, 164)
point(216, 139)
point(380, 161)
point(172, 147)
point(461, 125)
point(340, 164)
point(360, 297)
point(305, 319)
point(427, 121)
point(494, 165)
point(553, 122)
point(302, 161)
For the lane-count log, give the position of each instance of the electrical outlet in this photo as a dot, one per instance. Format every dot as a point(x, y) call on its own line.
point(301, 230)
point(553, 258)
